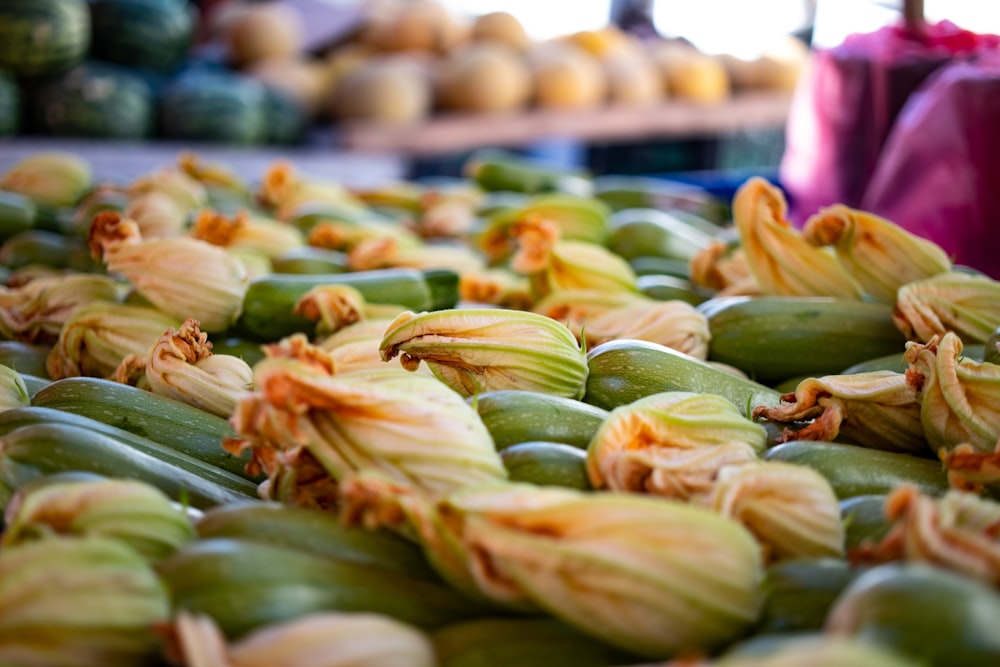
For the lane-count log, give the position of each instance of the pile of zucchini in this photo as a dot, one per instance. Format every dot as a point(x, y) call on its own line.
point(139, 529)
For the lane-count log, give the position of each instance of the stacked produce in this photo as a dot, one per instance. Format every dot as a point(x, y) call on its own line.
point(138, 69)
point(518, 418)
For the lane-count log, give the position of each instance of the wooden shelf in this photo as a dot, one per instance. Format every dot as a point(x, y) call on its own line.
point(456, 133)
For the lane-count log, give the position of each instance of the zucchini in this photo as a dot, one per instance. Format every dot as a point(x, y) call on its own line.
point(547, 464)
point(34, 450)
point(856, 471)
point(798, 594)
point(895, 361)
point(937, 617)
point(500, 171)
point(775, 338)
point(177, 425)
point(310, 260)
point(17, 213)
point(515, 415)
point(649, 232)
point(622, 371)
point(269, 301)
point(25, 357)
point(670, 288)
point(36, 246)
point(864, 520)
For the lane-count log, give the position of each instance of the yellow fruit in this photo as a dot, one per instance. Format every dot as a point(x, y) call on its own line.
point(633, 80)
point(567, 77)
point(388, 90)
point(691, 75)
point(501, 27)
point(303, 80)
point(264, 30)
point(488, 76)
point(413, 25)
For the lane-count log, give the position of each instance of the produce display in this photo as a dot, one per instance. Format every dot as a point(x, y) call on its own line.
point(145, 69)
point(523, 417)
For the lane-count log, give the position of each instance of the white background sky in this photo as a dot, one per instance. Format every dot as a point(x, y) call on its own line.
point(742, 27)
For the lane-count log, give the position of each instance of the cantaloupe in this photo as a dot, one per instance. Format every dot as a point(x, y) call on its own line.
point(566, 76)
point(264, 30)
point(412, 25)
point(305, 81)
point(689, 74)
point(502, 27)
point(484, 77)
point(388, 90)
point(632, 79)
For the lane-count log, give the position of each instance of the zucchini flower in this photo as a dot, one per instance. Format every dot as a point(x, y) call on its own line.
point(881, 255)
point(780, 259)
point(675, 324)
point(554, 263)
point(473, 350)
point(37, 311)
point(722, 268)
point(447, 215)
point(791, 509)
point(79, 602)
point(576, 308)
point(183, 277)
point(495, 287)
point(964, 303)
point(387, 252)
point(13, 390)
point(213, 176)
point(814, 650)
point(877, 408)
point(412, 428)
point(51, 178)
point(344, 236)
point(671, 444)
point(268, 237)
point(956, 531)
point(180, 365)
point(650, 576)
point(128, 511)
point(284, 192)
point(186, 192)
point(319, 639)
point(97, 337)
point(958, 395)
point(157, 215)
point(334, 307)
point(355, 347)
point(103, 197)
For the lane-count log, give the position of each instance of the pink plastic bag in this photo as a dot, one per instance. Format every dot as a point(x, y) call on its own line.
point(939, 173)
point(845, 106)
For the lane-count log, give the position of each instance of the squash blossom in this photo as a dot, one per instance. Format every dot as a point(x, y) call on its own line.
point(878, 253)
point(183, 277)
point(36, 311)
point(411, 428)
point(966, 304)
point(651, 576)
point(79, 602)
point(474, 350)
point(319, 639)
point(782, 262)
point(671, 444)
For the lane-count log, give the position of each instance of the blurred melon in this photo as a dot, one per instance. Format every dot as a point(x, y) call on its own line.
point(303, 80)
point(501, 27)
point(484, 77)
point(604, 43)
point(632, 79)
point(412, 25)
point(264, 30)
point(778, 68)
point(392, 90)
point(566, 76)
point(689, 74)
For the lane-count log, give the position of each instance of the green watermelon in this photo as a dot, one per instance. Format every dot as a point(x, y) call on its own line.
point(286, 120)
point(214, 106)
point(43, 37)
point(10, 105)
point(148, 34)
point(96, 100)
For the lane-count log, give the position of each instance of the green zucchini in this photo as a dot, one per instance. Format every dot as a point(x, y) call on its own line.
point(622, 371)
point(25, 357)
point(180, 426)
point(17, 213)
point(547, 464)
point(864, 520)
point(314, 531)
point(46, 448)
point(269, 301)
point(895, 361)
point(500, 171)
point(524, 642)
point(937, 617)
point(772, 339)
point(33, 382)
point(515, 415)
point(649, 232)
point(798, 594)
point(855, 471)
point(310, 260)
point(670, 288)
point(36, 246)
point(250, 351)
